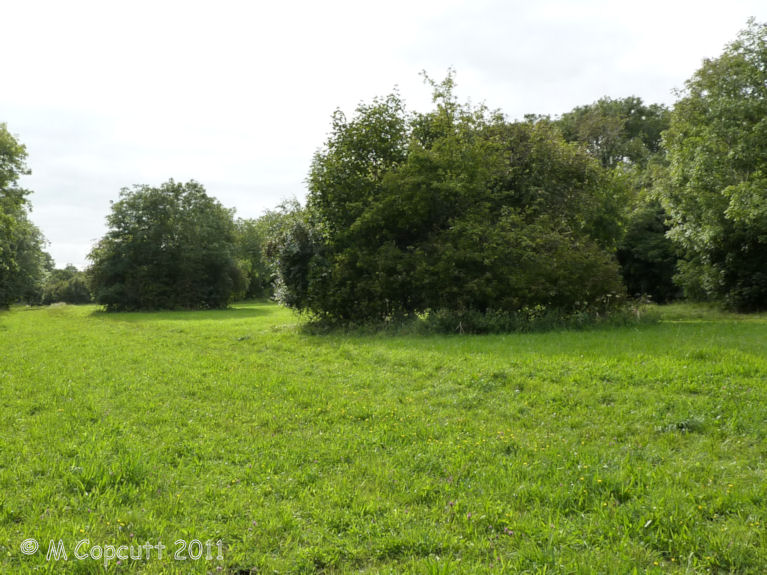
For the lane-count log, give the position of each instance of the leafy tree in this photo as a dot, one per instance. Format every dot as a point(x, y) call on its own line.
point(296, 249)
point(167, 247)
point(259, 240)
point(22, 259)
point(716, 195)
point(622, 131)
point(68, 285)
point(250, 238)
point(453, 209)
point(625, 136)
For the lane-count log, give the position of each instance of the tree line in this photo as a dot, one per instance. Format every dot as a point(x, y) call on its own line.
point(457, 209)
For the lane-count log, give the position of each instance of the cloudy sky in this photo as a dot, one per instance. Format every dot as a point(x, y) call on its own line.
point(238, 94)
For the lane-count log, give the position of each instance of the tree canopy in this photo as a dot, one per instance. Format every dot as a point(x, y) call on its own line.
point(167, 247)
point(625, 136)
point(716, 195)
point(22, 258)
point(67, 285)
point(615, 131)
point(453, 209)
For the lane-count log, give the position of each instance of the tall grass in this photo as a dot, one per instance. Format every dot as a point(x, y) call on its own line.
point(610, 450)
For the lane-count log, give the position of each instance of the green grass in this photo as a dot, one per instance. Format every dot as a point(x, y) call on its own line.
point(613, 450)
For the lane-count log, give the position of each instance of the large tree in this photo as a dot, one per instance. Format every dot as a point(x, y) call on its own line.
point(67, 285)
point(717, 190)
point(624, 135)
point(22, 259)
point(452, 209)
point(615, 131)
point(257, 243)
point(167, 247)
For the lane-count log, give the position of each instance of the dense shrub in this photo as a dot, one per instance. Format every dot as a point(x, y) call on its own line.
point(456, 209)
point(647, 256)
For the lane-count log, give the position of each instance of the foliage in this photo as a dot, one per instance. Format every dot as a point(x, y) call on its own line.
point(647, 257)
point(22, 259)
point(453, 209)
point(259, 243)
point(716, 196)
point(535, 319)
point(625, 136)
point(607, 450)
point(250, 238)
point(617, 131)
point(68, 285)
point(167, 247)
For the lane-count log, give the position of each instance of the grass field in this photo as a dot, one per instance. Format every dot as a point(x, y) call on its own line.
point(612, 450)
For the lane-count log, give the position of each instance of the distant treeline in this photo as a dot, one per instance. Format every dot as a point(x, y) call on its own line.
point(457, 210)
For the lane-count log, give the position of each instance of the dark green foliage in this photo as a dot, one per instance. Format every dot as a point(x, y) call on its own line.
point(167, 247)
point(625, 136)
point(22, 259)
point(716, 195)
point(68, 285)
point(647, 256)
point(455, 209)
point(251, 247)
point(295, 249)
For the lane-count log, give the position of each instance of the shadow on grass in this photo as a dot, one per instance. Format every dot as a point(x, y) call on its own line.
point(236, 312)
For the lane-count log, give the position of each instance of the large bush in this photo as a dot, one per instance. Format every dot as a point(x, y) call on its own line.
point(167, 247)
point(453, 209)
point(258, 243)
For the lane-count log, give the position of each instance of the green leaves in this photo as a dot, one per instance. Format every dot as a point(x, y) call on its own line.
point(617, 131)
point(22, 260)
point(453, 209)
point(167, 247)
point(717, 197)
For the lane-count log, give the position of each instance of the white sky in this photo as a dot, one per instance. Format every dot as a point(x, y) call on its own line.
point(238, 95)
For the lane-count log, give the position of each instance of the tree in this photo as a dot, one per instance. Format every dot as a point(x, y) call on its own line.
point(258, 241)
point(716, 195)
point(67, 285)
point(617, 131)
point(22, 259)
point(454, 209)
point(624, 135)
point(167, 247)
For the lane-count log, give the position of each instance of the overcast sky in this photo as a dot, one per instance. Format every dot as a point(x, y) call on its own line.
point(238, 94)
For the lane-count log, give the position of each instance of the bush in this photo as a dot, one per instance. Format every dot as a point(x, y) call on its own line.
point(456, 209)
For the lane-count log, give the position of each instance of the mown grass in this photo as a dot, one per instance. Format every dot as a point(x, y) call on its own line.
point(613, 450)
